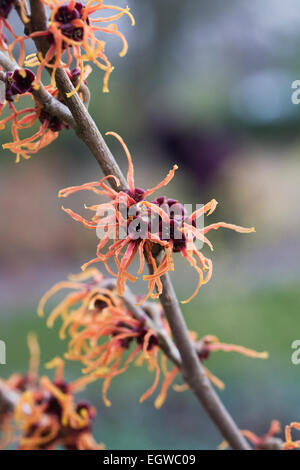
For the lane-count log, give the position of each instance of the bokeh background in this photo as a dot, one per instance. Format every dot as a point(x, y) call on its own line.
point(206, 85)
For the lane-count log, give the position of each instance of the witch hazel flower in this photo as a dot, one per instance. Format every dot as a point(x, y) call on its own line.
point(18, 82)
point(102, 348)
point(22, 119)
point(133, 226)
point(102, 331)
point(46, 414)
point(120, 223)
point(73, 31)
point(21, 82)
point(289, 443)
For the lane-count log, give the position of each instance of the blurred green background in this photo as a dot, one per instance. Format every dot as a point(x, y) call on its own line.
point(206, 85)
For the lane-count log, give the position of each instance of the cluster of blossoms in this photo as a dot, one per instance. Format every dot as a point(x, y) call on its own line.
point(289, 443)
point(106, 338)
point(22, 82)
point(18, 82)
point(72, 31)
point(129, 226)
point(46, 414)
point(71, 35)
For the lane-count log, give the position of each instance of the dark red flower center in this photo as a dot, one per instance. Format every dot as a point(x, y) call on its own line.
point(141, 330)
point(72, 32)
point(204, 353)
point(18, 82)
point(65, 16)
point(5, 7)
point(177, 217)
point(137, 194)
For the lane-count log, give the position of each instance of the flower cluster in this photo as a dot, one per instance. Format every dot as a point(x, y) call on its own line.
point(72, 36)
point(21, 82)
point(72, 31)
point(131, 213)
point(27, 118)
point(102, 330)
point(106, 338)
point(289, 443)
point(46, 414)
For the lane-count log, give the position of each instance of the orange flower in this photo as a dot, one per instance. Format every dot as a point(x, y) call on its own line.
point(46, 414)
point(211, 343)
point(102, 330)
point(259, 442)
point(106, 338)
point(289, 443)
point(130, 225)
point(22, 82)
point(22, 119)
point(72, 30)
